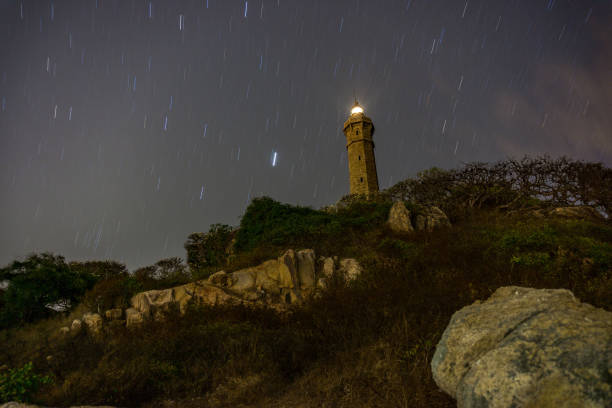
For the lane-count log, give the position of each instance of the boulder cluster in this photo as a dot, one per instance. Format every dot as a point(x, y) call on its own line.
point(529, 348)
point(277, 283)
point(401, 220)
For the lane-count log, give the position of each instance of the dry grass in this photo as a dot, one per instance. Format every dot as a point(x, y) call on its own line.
point(369, 344)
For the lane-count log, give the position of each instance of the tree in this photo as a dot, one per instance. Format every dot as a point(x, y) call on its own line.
point(37, 285)
point(511, 184)
point(100, 269)
point(209, 249)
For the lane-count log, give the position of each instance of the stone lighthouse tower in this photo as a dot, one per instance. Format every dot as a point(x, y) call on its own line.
point(359, 130)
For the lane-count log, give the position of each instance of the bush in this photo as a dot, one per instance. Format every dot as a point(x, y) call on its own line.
point(112, 293)
point(539, 181)
point(38, 286)
point(20, 384)
point(269, 222)
point(209, 250)
point(99, 269)
point(163, 274)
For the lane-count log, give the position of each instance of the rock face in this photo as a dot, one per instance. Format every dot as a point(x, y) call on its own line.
point(527, 348)
point(350, 268)
point(76, 325)
point(399, 218)
point(289, 279)
point(435, 218)
point(113, 314)
point(583, 212)
point(93, 321)
point(133, 317)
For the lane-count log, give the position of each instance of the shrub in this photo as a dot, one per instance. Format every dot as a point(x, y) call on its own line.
point(20, 384)
point(163, 274)
point(269, 222)
point(99, 269)
point(209, 250)
point(112, 293)
point(538, 181)
point(38, 285)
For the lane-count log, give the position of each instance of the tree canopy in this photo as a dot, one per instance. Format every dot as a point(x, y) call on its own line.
point(38, 285)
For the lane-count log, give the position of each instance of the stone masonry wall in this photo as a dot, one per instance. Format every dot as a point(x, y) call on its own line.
point(363, 178)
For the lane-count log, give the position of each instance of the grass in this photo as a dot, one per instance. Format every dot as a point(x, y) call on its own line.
point(365, 345)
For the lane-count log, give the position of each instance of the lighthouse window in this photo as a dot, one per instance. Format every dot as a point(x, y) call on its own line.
point(359, 157)
point(361, 179)
point(357, 132)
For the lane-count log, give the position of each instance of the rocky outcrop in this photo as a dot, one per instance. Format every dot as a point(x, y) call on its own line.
point(278, 283)
point(93, 321)
point(527, 347)
point(429, 219)
point(435, 218)
point(76, 325)
point(578, 212)
point(583, 212)
point(133, 317)
point(350, 269)
point(399, 218)
point(113, 314)
point(288, 280)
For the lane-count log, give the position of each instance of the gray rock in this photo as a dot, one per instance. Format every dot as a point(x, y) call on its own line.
point(306, 268)
point(435, 218)
point(18, 405)
point(329, 266)
point(583, 212)
point(399, 218)
point(288, 270)
point(21, 405)
point(133, 317)
point(113, 314)
point(327, 270)
point(350, 268)
point(242, 281)
point(527, 347)
point(419, 222)
point(289, 279)
point(93, 321)
point(221, 279)
point(76, 325)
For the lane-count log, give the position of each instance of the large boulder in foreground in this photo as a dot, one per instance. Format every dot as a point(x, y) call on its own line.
point(22, 405)
point(527, 347)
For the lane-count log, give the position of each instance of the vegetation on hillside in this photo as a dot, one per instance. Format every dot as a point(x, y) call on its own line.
point(363, 345)
point(38, 285)
point(539, 181)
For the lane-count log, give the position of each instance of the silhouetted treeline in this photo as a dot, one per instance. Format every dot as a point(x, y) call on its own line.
point(511, 184)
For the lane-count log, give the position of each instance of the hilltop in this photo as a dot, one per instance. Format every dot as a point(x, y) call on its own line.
point(538, 223)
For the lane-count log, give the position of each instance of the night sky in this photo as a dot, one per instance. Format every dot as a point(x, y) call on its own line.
point(126, 125)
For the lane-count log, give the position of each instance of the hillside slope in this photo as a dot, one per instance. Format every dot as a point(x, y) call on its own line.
point(368, 344)
point(365, 344)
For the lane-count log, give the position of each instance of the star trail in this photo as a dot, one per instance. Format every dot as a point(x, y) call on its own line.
point(126, 125)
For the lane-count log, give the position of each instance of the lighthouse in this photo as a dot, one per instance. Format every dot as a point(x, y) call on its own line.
point(359, 130)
